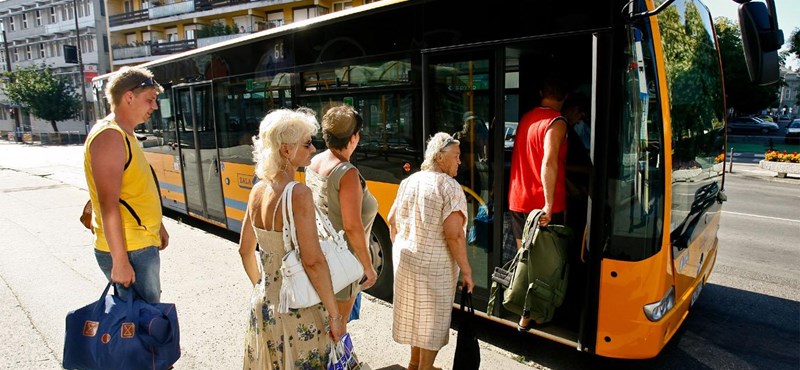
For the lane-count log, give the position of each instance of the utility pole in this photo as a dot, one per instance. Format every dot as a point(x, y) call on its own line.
point(80, 66)
point(14, 110)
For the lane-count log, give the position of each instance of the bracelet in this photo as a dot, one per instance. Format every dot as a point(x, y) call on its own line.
point(335, 318)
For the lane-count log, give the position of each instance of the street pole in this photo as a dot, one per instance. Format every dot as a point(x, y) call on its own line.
point(80, 66)
point(17, 127)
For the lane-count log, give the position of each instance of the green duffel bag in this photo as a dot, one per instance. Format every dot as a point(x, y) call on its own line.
point(539, 272)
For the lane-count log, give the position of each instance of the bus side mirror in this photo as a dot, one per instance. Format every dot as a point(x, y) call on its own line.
point(761, 40)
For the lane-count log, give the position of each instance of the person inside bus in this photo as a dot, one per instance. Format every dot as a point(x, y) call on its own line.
point(301, 338)
point(127, 240)
point(428, 228)
point(341, 192)
point(537, 161)
point(538, 164)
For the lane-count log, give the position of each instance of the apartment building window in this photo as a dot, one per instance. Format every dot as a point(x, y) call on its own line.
point(308, 13)
point(105, 42)
point(42, 51)
point(52, 14)
point(89, 44)
point(70, 11)
point(172, 34)
point(28, 52)
point(24, 21)
point(16, 55)
point(11, 23)
point(87, 7)
point(342, 5)
point(145, 4)
point(38, 18)
point(128, 5)
point(64, 13)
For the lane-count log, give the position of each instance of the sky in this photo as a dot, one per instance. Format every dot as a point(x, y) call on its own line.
point(788, 18)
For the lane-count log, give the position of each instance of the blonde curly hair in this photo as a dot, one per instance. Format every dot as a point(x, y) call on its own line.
point(436, 145)
point(280, 126)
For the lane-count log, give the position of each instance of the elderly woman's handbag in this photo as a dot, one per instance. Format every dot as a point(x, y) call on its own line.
point(296, 289)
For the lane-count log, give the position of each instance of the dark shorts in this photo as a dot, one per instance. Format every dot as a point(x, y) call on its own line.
point(518, 222)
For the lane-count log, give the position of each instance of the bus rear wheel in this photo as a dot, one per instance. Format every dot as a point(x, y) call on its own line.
point(380, 246)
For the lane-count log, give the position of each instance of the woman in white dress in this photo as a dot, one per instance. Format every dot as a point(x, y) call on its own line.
point(428, 225)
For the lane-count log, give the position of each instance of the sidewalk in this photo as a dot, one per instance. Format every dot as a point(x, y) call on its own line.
point(752, 170)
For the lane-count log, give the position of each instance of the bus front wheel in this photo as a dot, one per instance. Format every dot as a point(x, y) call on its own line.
point(380, 246)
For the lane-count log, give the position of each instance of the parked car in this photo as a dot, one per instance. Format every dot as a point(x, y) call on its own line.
point(793, 132)
point(785, 117)
point(751, 125)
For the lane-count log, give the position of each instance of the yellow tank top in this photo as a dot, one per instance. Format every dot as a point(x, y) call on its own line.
point(138, 191)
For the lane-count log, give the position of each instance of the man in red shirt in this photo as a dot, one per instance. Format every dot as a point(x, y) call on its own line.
point(538, 162)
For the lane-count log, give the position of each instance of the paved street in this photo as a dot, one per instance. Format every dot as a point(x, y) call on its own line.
point(48, 268)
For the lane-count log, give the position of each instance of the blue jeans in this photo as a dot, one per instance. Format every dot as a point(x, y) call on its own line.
point(146, 263)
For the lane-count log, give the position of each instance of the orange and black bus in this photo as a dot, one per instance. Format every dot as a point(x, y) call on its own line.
point(650, 69)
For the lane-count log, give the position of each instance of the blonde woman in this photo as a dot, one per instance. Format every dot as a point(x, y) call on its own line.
point(301, 338)
point(428, 225)
point(342, 194)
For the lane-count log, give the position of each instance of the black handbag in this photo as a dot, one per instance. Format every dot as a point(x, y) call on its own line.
point(468, 352)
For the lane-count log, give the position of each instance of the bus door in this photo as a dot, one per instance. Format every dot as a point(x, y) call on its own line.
point(461, 104)
point(199, 158)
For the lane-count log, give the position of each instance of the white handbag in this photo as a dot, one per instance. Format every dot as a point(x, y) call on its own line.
point(296, 289)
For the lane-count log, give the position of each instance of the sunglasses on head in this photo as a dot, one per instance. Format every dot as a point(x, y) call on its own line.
point(148, 82)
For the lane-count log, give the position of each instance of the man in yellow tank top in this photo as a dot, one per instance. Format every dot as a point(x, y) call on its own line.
point(126, 215)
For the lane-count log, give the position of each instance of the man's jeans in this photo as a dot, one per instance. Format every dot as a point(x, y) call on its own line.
point(146, 263)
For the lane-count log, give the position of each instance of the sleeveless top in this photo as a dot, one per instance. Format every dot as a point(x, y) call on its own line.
point(326, 197)
point(138, 190)
point(526, 191)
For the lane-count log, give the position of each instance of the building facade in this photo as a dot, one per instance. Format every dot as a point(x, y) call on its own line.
point(35, 34)
point(788, 95)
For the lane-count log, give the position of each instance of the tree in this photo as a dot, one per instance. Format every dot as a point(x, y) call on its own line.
point(742, 95)
point(794, 43)
point(46, 95)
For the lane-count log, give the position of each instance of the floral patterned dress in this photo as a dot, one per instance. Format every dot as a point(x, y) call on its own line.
point(295, 340)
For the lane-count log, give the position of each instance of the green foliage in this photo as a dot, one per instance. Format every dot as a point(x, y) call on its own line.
point(49, 97)
point(742, 95)
point(217, 29)
point(794, 43)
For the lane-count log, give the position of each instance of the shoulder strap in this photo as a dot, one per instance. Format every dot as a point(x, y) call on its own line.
point(287, 211)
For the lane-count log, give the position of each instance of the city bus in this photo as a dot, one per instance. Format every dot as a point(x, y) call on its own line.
point(651, 71)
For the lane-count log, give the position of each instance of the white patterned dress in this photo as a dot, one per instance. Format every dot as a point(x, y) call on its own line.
point(295, 340)
point(425, 273)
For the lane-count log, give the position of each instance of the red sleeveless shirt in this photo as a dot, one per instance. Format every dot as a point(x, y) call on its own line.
point(525, 191)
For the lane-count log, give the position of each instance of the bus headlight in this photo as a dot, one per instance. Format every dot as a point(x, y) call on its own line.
point(655, 311)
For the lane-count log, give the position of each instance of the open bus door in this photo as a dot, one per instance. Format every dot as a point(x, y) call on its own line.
point(198, 151)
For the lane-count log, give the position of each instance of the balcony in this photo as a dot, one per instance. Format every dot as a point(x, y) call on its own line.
point(129, 17)
point(131, 52)
point(165, 48)
point(205, 41)
point(69, 25)
point(171, 9)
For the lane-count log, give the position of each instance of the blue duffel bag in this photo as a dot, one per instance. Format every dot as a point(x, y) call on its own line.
point(115, 334)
